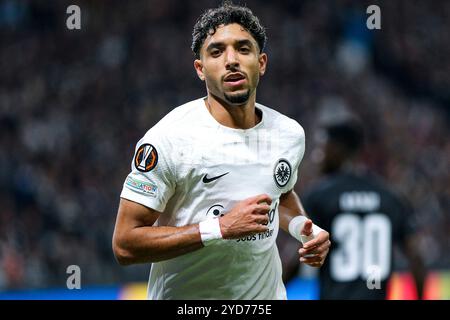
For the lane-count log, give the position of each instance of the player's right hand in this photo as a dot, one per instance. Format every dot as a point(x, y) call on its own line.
point(247, 217)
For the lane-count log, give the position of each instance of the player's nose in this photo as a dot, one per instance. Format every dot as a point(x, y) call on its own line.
point(231, 59)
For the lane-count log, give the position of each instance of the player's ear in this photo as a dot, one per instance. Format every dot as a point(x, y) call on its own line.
point(198, 65)
point(262, 63)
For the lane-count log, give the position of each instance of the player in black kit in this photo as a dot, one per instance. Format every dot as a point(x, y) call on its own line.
point(364, 217)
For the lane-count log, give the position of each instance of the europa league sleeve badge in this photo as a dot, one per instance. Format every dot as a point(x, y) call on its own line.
point(146, 158)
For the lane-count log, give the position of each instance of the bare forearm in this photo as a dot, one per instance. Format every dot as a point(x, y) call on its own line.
point(313, 251)
point(152, 244)
point(137, 240)
point(290, 207)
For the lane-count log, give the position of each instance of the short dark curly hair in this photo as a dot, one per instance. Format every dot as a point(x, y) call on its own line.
point(227, 13)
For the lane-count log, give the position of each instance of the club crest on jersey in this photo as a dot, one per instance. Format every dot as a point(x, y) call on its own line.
point(146, 158)
point(282, 173)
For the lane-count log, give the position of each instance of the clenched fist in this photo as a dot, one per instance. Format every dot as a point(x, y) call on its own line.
point(247, 217)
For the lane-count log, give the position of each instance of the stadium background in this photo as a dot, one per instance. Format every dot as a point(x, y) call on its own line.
point(74, 103)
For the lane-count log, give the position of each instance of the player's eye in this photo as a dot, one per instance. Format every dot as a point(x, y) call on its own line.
point(215, 52)
point(244, 49)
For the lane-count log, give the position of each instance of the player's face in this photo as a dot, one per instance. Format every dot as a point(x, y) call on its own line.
point(231, 64)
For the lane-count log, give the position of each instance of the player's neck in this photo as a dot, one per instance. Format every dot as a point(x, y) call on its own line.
point(236, 117)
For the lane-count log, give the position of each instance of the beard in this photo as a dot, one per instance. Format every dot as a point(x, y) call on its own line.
point(238, 98)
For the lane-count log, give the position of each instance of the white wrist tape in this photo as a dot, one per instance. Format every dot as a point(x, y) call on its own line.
point(296, 226)
point(210, 231)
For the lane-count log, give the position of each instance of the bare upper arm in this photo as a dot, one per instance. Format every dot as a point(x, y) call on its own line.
point(291, 200)
point(134, 215)
point(285, 195)
point(130, 215)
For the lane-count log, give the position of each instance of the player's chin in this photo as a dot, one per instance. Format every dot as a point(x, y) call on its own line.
point(237, 97)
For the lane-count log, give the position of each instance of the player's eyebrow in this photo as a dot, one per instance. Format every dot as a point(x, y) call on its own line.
point(214, 45)
point(238, 43)
point(245, 42)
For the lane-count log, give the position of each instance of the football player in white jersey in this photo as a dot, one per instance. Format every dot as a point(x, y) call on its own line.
point(211, 183)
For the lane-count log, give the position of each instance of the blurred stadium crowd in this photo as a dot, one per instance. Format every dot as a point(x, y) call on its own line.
point(74, 103)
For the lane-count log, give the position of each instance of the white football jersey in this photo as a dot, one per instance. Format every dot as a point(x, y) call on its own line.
point(190, 168)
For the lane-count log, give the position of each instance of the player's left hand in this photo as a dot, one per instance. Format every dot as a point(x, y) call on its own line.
point(316, 250)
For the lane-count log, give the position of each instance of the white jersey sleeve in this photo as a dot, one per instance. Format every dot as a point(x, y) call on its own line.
point(152, 180)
